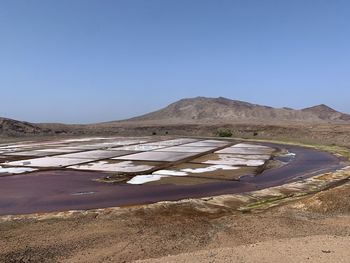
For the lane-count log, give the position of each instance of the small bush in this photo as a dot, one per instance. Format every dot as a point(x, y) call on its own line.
point(224, 133)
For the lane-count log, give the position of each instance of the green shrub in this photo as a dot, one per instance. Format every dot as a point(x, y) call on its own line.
point(224, 133)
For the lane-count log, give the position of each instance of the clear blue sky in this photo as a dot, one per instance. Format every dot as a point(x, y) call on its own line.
point(88, 61)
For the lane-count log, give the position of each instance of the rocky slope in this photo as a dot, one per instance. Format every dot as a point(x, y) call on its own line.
point(9, 127)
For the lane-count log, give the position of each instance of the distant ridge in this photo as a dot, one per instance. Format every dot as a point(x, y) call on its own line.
point(198, 110)
point(224, 110)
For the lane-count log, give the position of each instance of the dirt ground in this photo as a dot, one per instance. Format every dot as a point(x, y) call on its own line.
point(314, 229)
point(322, 248)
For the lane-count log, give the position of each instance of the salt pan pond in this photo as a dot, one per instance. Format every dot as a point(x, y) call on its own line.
point(48, 162)
point(185, 148)
point(139, 147)
point(94, 155)
point(173, 142)
point(214, 143)
point(246, 150)
point(156, 156)
point(228, 159)
point(115, 166)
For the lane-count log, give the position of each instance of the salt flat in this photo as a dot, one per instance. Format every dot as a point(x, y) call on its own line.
point(15, 170)
point(142, 179)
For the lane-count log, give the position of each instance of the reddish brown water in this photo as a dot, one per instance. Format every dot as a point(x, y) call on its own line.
point(48, 191)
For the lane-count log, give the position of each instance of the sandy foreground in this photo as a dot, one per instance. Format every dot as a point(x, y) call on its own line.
point(315, 228)
point(322, 248)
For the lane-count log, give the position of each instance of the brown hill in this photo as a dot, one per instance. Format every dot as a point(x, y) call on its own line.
point(185, 113)
point(223, 110)
point(9, 127)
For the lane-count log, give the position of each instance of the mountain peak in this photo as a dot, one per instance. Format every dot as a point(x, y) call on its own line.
point(320, 108)
point(327, 113)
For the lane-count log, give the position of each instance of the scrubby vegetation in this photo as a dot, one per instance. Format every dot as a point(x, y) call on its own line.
point(224, 133)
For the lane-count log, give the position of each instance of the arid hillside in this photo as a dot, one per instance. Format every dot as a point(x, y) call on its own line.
point(9, 127)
